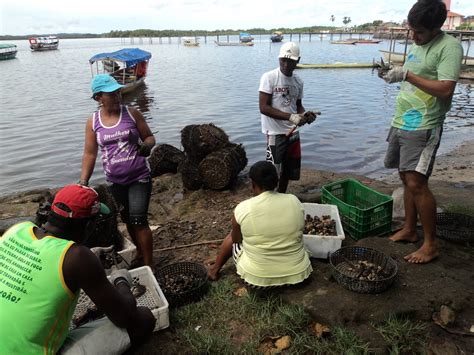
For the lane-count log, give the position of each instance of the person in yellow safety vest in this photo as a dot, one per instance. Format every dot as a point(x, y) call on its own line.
point(42, 271)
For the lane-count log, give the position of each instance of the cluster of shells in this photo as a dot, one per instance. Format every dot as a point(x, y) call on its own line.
point(367, 271)
point(320, 226)
point(174, 284)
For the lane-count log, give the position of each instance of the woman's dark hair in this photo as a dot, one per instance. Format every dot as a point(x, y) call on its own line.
point(429, 14)
point(264, 174)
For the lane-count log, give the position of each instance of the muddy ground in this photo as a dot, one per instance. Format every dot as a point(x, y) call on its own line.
point(180, 217)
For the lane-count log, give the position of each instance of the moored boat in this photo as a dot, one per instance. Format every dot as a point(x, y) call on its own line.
point(245, 37)
point(345, 41)
point(129, 66)
point(368, 41)
point(228, 44)
point(44, 43)
point(7, 51)
point(190, 41)
point(277, 36)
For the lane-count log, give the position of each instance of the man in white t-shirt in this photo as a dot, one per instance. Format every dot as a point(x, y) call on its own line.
point(282, 111)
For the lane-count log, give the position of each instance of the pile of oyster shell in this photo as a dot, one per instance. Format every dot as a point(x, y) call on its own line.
point(320, 226)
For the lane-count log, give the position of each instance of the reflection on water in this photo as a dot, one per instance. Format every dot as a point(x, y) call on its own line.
point(141, 99)
point(45, 101)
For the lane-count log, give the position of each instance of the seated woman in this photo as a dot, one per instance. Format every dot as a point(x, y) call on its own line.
point(266, 240)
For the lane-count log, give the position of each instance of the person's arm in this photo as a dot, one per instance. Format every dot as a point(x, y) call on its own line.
point(442, 89)
point(90, 153)
point(83, 270)
point(266, 108)
point(236, 232)
point(299, 106)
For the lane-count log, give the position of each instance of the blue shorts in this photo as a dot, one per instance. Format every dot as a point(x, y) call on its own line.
point(134, 200)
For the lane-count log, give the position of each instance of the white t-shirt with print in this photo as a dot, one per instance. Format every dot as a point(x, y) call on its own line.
point(285, 91)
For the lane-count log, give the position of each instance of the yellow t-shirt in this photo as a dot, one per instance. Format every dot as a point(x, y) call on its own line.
point(272, 238)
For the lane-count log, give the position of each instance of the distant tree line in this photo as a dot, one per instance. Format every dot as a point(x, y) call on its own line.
point(180, 33)
point(369, 26)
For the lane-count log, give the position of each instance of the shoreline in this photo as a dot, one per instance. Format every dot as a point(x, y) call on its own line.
point(452, 183)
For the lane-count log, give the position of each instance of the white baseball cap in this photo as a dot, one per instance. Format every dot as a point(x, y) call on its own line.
point(290, 50)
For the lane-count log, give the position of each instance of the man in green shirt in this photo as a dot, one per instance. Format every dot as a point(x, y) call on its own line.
point(428, 79)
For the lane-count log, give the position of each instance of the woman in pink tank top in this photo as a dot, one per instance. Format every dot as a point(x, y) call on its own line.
point(125, 141)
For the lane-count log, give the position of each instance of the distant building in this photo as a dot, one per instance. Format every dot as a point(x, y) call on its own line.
point(469, 20)
point(453, 20)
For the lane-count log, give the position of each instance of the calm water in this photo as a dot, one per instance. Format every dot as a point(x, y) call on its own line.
point(45, 101)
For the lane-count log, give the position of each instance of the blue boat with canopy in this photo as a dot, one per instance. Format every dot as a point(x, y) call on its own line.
point(129, 66)
point(245, 37)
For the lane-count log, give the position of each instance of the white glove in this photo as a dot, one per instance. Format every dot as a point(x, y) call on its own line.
point(310, 116)
point(122, 275)
point(395, 75)
point(297, 119)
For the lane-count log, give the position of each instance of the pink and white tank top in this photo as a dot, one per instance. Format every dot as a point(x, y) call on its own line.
point(119, 146)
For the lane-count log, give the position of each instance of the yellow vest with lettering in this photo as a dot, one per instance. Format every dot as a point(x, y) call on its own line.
point(36, 306)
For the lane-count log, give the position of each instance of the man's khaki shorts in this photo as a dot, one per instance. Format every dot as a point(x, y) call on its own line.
point(413, 150)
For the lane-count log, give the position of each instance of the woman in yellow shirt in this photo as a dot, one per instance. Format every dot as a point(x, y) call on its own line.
point(266, 240)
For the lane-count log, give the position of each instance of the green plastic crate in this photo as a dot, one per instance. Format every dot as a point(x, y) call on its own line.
point(357, 234)
point(364, 212)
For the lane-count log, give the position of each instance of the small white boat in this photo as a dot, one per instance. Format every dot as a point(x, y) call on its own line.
point(190, 41)
point(44, 43)
point(128, 66)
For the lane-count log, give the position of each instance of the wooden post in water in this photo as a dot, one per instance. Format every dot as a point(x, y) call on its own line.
point(467, 50)
point(310, 36)
point(390, 47)
point(291, 36)
point(299, 37)
point(406, 45)
point(227, 38)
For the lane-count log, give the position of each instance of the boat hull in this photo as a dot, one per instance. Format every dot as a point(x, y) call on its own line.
point(344, 42)
point(368, 41)
point(132, 86)
point(234, 44)
point(335, 66)
point(8, 55)
point(41, 48)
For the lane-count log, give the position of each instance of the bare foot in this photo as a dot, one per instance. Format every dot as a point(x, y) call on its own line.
point(404, 236)
point(425, 254)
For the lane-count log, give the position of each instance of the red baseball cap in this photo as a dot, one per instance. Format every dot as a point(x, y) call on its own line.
point(78, 201)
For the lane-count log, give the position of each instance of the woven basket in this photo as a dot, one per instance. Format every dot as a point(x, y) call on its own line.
point(455, 227)
point(178, 272)
point(343, 259)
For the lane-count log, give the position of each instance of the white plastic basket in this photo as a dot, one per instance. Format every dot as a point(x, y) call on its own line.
point(153, 298)
point(320, 246)
point(129, 251)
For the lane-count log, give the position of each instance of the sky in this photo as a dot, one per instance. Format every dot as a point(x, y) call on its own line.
point(92, 16)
